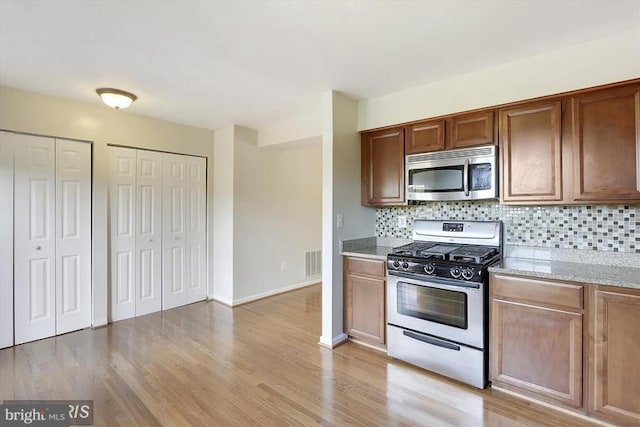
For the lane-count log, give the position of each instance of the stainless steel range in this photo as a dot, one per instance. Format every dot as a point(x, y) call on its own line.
point(437, 299)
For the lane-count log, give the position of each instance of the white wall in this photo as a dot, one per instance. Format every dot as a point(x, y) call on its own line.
point(45, 115)
point(340, 195)
point(223, 187)
point(605, 60)
point(304, 125)
point(268, 213)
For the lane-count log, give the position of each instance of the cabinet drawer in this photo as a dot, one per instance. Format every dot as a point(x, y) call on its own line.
point(537, 291)
point(368, 267)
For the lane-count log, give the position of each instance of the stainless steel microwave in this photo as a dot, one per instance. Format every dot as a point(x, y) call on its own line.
point(464, 174)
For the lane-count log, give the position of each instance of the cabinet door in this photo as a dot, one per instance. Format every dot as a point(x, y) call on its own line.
point(606, 145)
point(530, 142)
point(34, 274)
point(365, 317)
point(424, 137)
point(383, 167)
point(174, 232)
point(470, 130)
point(196, 233)
point(6, 239)
point(615, 377)
point(148, 250)
point(537, 351)
point(122, 219)
point(73, 235)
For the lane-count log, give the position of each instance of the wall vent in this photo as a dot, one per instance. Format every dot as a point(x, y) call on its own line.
point(312, 263)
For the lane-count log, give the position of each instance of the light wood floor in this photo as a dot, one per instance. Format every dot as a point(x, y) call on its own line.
point(258, 364)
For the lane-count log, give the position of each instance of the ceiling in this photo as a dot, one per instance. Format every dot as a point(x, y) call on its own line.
point(216, 63)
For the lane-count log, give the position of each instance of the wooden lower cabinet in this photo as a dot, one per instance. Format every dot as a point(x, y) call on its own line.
point(614, 362)
point(364, 296)
point(536, 348)
point(555, 341)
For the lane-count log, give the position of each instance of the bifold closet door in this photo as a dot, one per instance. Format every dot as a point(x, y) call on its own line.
point(148, 232)
point(73, 236)
point(174, 292)
point(6, 239)
point(135, 198)
point(196, 236)
point(34, 251)
point(122, 214)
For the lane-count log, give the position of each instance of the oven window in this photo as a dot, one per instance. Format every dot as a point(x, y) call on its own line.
point(433, 304)
point(440, 179)
point(480, 176)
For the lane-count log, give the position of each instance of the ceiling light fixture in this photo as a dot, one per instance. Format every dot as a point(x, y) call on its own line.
point(116, 98)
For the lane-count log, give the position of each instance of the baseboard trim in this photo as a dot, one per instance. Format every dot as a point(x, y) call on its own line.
point(335, 342)
point(552, 406)
point(253, 298)
point(99, 324)
point(221, 300)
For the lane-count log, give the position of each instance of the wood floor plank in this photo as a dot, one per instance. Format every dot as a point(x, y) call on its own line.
point(257, 364)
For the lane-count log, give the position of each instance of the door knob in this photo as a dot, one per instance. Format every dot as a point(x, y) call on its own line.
point(176, 238)
point(149, 240)
point(38, 248)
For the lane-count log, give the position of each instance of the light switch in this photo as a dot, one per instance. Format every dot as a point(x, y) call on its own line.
point(340, 221)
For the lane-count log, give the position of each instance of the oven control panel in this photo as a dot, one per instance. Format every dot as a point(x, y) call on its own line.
point(440, 268)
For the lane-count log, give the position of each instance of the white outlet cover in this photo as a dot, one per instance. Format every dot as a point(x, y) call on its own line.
point(402, 221)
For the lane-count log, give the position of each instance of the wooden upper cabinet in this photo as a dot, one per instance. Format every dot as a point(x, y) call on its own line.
point(383, 167)
point(424, 137)
point(606, 145)
point(531, 150)
point(470, 130)
point(614, 388)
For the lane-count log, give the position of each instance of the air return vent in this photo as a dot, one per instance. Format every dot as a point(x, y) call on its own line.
point(312, 263)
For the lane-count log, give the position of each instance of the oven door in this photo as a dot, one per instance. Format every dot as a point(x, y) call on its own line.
point(441, 307)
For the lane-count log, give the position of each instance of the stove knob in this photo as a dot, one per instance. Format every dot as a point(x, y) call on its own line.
point(455, 272)
point(396, 264)
point(405, 265)
point(430, 268)
point(467, 273)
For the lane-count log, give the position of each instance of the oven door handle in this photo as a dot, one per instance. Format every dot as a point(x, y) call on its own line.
point(431, 340)
point(466, 177)
point(431, 281)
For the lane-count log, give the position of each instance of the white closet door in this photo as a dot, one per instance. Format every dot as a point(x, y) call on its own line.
point(196, 237)
point(73, 235)
point(122, 198)
point(174, 232)
point(34, 283)
point(149, 232)
point(6, 239)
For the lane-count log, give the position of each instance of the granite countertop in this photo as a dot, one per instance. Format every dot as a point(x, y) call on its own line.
point(371, 247)
point(589, 267)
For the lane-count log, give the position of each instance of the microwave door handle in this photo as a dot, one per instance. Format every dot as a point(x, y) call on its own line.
point(465, 177)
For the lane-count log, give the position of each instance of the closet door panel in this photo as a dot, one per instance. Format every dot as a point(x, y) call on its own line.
point(6, 239)
point(174, 231)
point(73, 235)
point(122, 221)
point(196, 241)
point(149, 232)
point(34, 209)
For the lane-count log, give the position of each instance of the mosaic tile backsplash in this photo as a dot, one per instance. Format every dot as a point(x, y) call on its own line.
point(602, 228)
